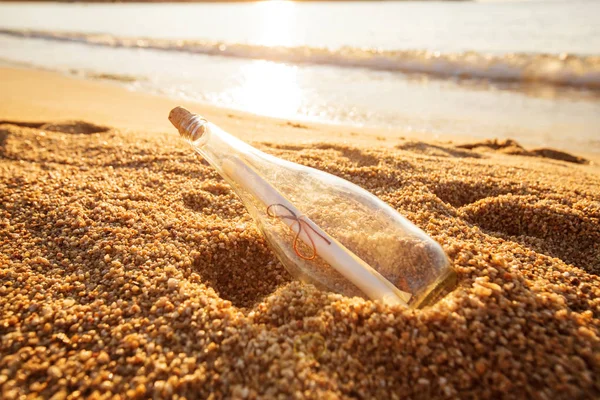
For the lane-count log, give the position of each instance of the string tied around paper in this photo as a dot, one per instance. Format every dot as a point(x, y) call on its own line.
point(302, 225)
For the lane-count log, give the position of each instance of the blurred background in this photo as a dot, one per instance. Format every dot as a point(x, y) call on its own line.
point(528, 70)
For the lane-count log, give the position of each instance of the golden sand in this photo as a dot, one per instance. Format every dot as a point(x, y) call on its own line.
point(128, 268)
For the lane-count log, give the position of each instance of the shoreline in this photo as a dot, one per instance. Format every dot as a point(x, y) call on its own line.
point(116, 106)
point(53, 96)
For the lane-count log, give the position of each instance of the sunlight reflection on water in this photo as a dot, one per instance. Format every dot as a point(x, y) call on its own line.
point(268, 88)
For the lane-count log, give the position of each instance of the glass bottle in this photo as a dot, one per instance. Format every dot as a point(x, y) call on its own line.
point(325, 230)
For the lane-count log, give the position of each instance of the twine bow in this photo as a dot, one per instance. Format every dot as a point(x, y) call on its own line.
point(300, 220)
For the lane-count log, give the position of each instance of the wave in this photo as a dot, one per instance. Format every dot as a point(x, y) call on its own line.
point(552, 69)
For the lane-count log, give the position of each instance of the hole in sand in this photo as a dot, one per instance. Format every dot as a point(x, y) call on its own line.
point(438, 151)
point(460, 193)
point(23, 124)
point(244, 272)
point(509, 146)
point(546, 226)
point(75, 127)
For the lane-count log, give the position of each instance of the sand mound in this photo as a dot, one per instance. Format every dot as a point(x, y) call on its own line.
point(77, 127)
point(128, 267)
point(509, 146)
point(549, 226)
point(436, 150)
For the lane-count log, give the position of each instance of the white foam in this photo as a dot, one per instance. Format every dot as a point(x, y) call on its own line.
point(552, 69)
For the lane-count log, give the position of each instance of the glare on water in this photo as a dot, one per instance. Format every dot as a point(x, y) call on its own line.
point(268, 88)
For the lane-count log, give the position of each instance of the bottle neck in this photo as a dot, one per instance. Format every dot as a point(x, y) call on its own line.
point(216, 146)
point(190, 126)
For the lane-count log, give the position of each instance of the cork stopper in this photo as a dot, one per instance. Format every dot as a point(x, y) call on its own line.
point(190, 126)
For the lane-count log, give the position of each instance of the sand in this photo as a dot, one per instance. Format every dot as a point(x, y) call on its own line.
point(129, 269)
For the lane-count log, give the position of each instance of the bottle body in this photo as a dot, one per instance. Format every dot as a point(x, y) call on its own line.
point(315, 221)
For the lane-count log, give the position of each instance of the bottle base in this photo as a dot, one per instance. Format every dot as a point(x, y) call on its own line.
point(443, 286)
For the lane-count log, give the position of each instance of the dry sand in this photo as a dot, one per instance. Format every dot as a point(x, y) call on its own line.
point(128, 267)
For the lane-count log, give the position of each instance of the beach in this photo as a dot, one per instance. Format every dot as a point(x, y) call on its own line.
point(128, 267)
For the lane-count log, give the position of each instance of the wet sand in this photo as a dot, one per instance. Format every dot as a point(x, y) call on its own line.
point(129, 268)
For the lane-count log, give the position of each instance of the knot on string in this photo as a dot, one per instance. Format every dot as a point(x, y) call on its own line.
point(302, 224)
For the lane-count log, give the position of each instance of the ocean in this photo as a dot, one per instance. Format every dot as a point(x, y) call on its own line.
point(527, 70)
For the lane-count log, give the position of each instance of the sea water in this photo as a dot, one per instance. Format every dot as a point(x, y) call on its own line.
point(527, 70)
